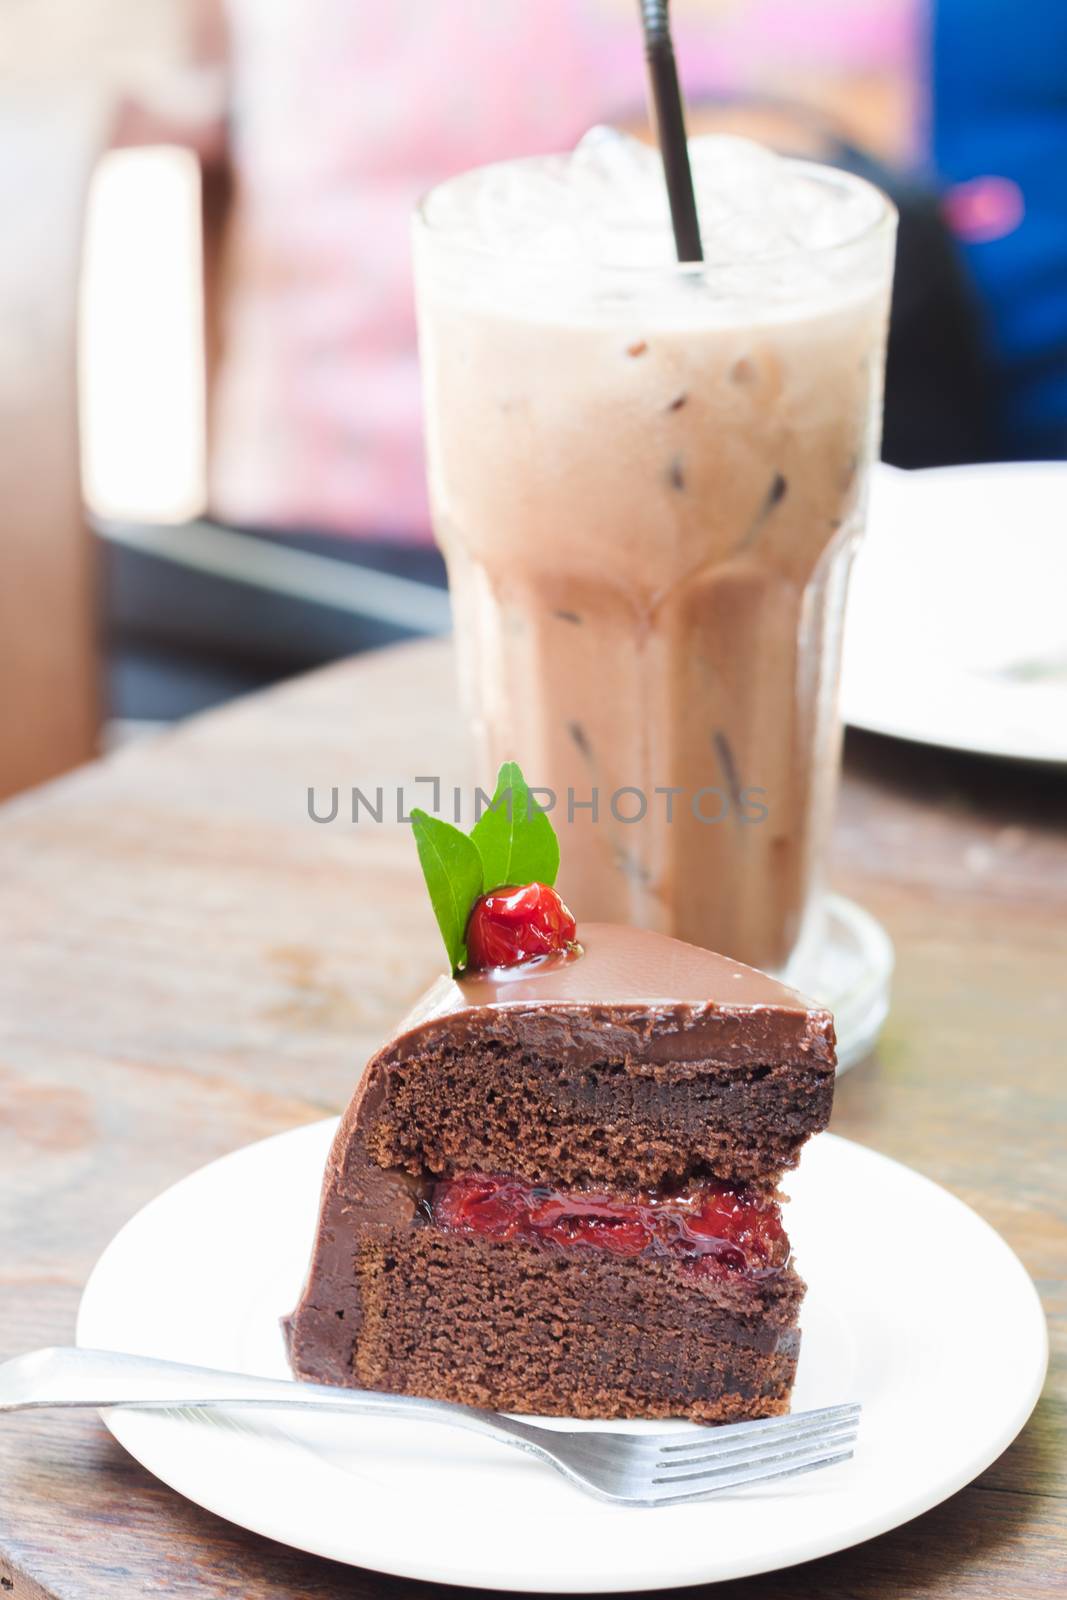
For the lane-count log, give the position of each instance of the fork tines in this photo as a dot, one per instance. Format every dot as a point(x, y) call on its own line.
point(705, 1461)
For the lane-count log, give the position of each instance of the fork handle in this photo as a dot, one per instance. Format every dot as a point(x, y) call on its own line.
point(65, 1377)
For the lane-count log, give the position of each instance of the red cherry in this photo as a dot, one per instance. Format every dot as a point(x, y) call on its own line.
point(512, 925)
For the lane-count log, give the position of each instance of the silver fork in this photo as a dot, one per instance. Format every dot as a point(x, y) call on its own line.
point(629, 1469)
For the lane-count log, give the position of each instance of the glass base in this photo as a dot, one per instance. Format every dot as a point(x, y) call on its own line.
point(850, 971)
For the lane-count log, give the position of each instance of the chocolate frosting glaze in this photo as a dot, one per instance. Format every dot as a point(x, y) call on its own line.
point(635, 992)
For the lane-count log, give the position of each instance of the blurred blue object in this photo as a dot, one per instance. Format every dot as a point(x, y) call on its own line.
point(1000, 145)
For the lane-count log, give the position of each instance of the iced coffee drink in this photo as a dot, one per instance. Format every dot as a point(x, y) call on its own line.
point(648, 481)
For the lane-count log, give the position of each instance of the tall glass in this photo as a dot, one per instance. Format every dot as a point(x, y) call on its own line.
point(648, 483)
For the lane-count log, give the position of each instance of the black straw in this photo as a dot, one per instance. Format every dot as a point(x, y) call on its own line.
point(670, 128)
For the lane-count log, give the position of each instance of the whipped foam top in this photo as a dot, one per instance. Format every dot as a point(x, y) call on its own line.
point(605, 205)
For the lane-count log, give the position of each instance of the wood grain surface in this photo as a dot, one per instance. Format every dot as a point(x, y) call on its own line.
point(190, 963)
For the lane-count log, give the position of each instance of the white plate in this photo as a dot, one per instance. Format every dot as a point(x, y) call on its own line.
point(916, 1308)
point(957, 629)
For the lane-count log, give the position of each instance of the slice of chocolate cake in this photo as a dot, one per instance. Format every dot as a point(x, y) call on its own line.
point(554, 1190)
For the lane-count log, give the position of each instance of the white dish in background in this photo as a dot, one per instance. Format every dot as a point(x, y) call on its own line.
point(957, 624)
point(916, 1308)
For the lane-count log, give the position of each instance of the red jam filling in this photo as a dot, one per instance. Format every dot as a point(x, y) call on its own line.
point(708, 1227)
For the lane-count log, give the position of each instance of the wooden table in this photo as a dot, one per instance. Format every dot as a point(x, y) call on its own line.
point(190, 963)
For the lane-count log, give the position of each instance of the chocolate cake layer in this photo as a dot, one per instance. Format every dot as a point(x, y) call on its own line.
point(563, 1333)
point(642, 1063)
point(605, 1122)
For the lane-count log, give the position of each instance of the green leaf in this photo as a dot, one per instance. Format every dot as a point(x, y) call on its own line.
point(516, 841)
point(452, 868)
